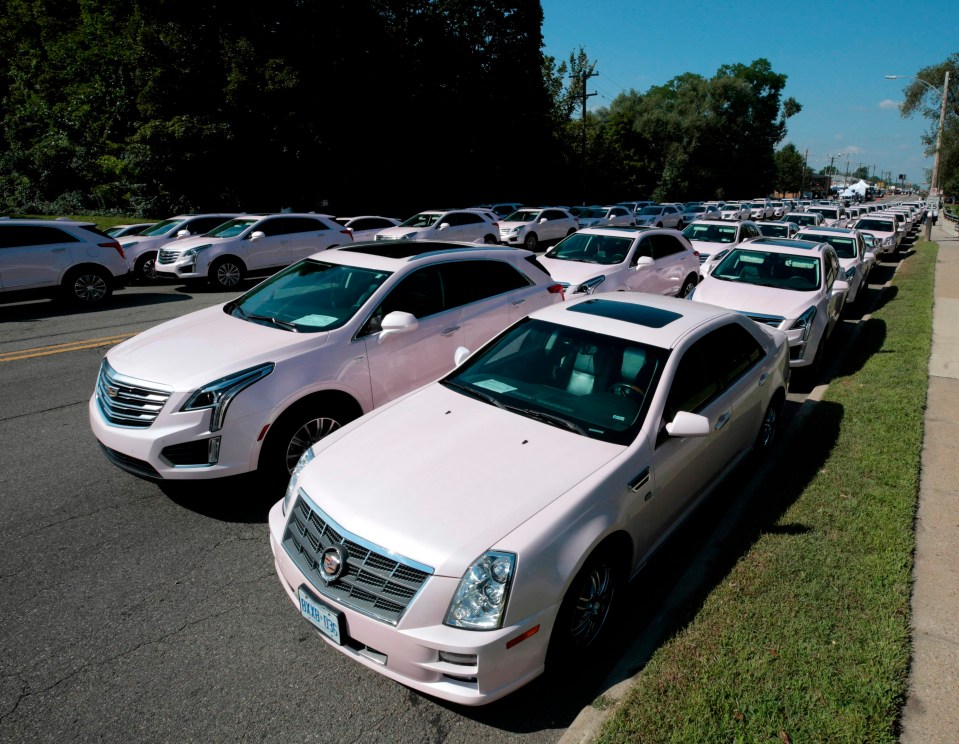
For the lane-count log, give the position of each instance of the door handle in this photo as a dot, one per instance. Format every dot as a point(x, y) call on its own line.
point(723, 420)
point(762, 378)
point(450, 331)
point(59, 250)
point(639, 481)
point(519, 301)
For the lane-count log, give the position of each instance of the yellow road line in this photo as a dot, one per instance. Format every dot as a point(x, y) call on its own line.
point(13, 356)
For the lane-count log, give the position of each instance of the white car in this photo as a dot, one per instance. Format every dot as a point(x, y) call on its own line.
point(795, 286)
point(252, 245)
point(712, 239)
point(614, 216)
point(141, 250)
point(777, 228)
point(461, 225)
point(534, 228)
point(854, 257)
point(482, 529)
point(761, 210)
point(611, 259)
point(735, 211)
point(125, 231)
point(660, 215)
point(366, 227)
point(832, 216)
point(804, 219)
point(250, 384)
point(64, 259)
point(885, 230)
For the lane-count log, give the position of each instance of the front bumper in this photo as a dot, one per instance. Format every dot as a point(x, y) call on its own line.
point(409, 652)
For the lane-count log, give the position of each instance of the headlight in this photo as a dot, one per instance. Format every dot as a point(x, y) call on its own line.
point(295, 476)
point(195, 250)
point(218, 394)
point(804, 321)
point(589, 286)
point(409, 235)
point(518, 229)
point(480, 599)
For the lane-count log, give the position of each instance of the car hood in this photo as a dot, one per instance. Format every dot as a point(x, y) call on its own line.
point(574, 272)
point(752, 298)
point(197, 348)
point(393, 233)
point(709, 248)
point(440, 477)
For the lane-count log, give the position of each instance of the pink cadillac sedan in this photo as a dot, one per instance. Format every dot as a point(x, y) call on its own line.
point(462, 539)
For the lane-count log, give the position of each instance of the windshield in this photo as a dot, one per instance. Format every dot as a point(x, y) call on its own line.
point(587, 383)
point(424, 219)
point(831, 214)
point(845, 246)
point(879, 225)
point(587, 248)
point(523, 215)
point(711, 233)
point(309, 296)
point(162, 228)
point(779, 230)
point(231, 228)
point(651, 210)
point(766, 269)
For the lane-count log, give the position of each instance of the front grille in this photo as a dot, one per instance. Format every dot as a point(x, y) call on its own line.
point(771, 320)
point(124, 401)
point(703, 258)
point(168, 257)
point(375, 582)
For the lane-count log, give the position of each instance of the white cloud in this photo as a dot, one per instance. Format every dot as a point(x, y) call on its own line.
point(888, 104)
point(852, 150)
point(837, 137)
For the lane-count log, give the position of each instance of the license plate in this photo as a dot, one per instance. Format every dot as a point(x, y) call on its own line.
point(328, 621)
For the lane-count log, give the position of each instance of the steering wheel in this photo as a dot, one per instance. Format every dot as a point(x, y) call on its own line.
point(624, 389)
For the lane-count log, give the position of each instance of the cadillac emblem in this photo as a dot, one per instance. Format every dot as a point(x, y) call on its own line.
point(332, 563)
point(112, 392)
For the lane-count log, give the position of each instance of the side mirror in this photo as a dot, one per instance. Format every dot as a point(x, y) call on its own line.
point(644, 261)
point(443, 226)
point(460, 355)
point(869, 258)
point(685, 424)
point(182, 234)
point(397, 322)
point(258, 235)
point(542, 220)
point(840, 285)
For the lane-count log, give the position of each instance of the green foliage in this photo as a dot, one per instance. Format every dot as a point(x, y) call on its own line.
point(791, 171)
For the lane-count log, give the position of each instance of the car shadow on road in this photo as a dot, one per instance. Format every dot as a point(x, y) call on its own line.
point(671, 589)
point(44, 309)
point(241, 498)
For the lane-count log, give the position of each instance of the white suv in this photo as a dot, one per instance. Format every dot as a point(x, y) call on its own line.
point(60, 258)
point(250, 384)
point(533, 227)
point(249, 246)
point(141, 250)
point(636, 259)
point(464, 225)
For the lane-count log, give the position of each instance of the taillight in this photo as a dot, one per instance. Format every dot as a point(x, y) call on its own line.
point(556, 289)
point(349, 232)
point(113, 244)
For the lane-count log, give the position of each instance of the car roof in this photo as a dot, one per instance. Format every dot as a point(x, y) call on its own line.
point(391, 254)
point(785, 245)
point(58, 222)
point(652, 319)
point(828, 230)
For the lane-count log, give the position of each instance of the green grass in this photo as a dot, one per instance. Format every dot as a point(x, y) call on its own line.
point(807, 637)
point(104, 222)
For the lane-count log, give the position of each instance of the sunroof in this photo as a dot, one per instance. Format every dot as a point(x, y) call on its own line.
point(651, 317)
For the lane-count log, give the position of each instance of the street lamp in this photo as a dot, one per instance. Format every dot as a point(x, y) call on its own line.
point(934, 189)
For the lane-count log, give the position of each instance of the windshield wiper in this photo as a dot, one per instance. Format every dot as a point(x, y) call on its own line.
point(549, 418)
point(473, 393)
point(266, 318)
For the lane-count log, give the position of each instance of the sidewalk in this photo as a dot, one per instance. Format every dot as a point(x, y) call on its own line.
point(931, 713)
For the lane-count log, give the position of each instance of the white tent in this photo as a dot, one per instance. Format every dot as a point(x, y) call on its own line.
point(856, 188)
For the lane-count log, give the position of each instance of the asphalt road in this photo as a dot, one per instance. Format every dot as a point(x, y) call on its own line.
point(134, 613)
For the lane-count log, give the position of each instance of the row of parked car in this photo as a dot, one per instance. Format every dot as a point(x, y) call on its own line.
point(479, 446)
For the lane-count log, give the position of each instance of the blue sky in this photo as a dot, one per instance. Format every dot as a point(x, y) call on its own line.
point(834, 55)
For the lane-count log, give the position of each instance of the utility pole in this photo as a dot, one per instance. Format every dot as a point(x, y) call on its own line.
point(586, 75)
point(802, 180)
point(829, 186)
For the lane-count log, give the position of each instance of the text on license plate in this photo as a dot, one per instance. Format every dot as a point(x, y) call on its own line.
point(325, 619)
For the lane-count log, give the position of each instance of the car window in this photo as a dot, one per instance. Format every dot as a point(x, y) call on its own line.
point(645, 248)
point(419, 293)
point(665, 245)
point(469, 281)
point(12, 236)
point(203, 225)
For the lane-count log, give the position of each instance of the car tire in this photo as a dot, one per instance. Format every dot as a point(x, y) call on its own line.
point(297, 429)
point(87, 286)
point(573, 229)
point(226, 272)
point(688, 285)
point(489, 239)
point(766, 436)
point(145, 268)
point(586, 611)
point(659, 224)
point(680, 225)
point(531, 242)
